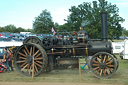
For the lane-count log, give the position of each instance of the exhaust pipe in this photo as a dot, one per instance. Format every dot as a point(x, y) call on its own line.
point(104, 29)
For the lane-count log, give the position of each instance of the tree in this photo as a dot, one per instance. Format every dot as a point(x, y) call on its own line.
point(20, 29)
point(43, 23)
point(125, 32)
point(13, 29)
point(10, 28)
point(2, 29)
point(87, 15)
point(56, 26)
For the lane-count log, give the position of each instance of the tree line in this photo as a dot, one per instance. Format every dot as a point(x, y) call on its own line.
point(85, 15)
point(13, 29)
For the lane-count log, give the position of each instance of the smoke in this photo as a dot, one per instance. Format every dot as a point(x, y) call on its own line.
point(85, 23)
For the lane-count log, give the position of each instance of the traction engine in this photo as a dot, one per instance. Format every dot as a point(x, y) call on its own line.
point(63, 50)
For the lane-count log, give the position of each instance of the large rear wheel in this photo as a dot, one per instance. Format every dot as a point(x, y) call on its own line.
point(24, 57)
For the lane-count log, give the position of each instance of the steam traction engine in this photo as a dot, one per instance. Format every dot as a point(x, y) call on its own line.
point(63, 50)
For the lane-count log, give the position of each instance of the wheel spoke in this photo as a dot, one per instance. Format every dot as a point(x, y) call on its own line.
point(101, 72)
point(109, 62)
point(21, 61)
point(36, 68)
point(110, 65)
point(24, 67)
point(98, 71)
point(95, 61)
point(36, 53)
point(107, 59)
point(95, 68)
point(28, 67)
point(104, 72)
point(30, 51)
point(95, 64)
point(104, 59)
point(23, 64)
point(39, 62)
point(22, 58)
point(109, 69)
point(39, 58)
point(22, 54)
point(38, 65)
point(25, 52)
point(99, 59)
point(27, 49)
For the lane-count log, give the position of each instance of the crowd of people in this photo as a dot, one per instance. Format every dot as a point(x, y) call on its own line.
point(7, 60)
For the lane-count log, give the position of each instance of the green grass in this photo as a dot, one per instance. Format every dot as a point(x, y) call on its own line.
point(71, 76)
point(118, 40)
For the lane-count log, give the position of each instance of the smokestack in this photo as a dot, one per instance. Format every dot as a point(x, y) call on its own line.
point(104, 29)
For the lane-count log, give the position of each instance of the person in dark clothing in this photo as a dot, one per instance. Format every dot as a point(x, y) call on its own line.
point(5, 60)
point(10, 61)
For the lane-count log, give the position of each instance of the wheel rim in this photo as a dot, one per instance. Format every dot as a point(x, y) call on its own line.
point(32, 39)
point(116, 61)
point(103, 65)
point(24, 59)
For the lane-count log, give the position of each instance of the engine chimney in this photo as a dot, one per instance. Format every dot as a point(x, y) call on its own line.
point(104, 26)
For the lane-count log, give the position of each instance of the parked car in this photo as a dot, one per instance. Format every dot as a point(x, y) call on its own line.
point(122, 37)
point(117, 47)
point(121, 54)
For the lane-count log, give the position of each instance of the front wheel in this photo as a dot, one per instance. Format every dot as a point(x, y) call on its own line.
point(103, 65)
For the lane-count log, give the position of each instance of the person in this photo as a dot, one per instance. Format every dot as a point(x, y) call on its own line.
point(5, 60)
point(2, 67)
point(10, 61)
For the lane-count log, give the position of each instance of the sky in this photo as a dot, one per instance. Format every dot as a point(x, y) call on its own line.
point(22, 13)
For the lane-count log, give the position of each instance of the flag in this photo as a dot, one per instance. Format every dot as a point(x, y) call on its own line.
point(53, 31)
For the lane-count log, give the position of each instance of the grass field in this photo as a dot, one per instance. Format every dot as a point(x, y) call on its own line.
point(118, 40)
point(71, 76)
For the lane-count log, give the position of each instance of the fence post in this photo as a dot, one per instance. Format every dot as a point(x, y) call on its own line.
point(79, 69)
